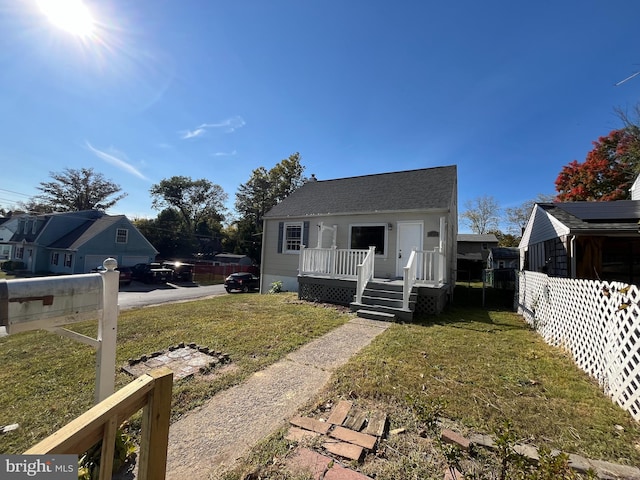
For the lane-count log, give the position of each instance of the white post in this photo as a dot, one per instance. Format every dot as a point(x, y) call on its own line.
point(107, 332)
point(301, 261)
point(333, 253)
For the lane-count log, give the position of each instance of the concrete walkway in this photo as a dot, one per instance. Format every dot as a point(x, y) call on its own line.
point(213, 437)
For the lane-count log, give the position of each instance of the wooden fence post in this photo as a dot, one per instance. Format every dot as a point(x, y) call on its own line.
point(155, 427)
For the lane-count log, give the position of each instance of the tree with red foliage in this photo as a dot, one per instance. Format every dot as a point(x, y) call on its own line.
point(606, 174)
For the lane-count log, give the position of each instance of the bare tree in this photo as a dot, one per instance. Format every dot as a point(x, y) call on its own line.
point(517, 217)
point(482, 214)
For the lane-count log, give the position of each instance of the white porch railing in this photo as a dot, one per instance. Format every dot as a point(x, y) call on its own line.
point(430, 266)
point(424, 267)
point(332, 262)
point(365, 273)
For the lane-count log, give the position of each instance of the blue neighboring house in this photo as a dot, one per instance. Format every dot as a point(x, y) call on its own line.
point(73, 242)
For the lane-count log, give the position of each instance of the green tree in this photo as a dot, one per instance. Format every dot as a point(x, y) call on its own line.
point(263, 191)
point(197, 201)
point(75, 190)
point(255, 198)
point(166, 233)
point(506, 239)
point(481, 214)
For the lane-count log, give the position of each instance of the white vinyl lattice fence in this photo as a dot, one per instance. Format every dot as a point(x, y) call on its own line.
point(598, 322)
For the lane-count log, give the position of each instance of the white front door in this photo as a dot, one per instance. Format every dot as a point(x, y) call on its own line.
point(409, 238)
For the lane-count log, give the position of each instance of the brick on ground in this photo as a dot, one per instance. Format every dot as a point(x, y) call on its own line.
point(340, 412)
point(305, 460)
point(346, 435)
point(336, 472)
point(310, 424)
point(344, 449)
point(296, 434)
point(449, 436)
point(450, 474)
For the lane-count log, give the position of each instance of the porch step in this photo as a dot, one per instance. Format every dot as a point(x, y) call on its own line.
point(385, 298)
point(375, 315)
point(381, 301)
point(398, 313)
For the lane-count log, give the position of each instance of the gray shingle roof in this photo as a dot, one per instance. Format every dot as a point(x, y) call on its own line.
point(424, 189)
point(477, 237)
point(620, 215)
point(85, 232)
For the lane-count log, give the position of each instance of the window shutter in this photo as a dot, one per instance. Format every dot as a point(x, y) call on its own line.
point(305, 234)
point(280, 236)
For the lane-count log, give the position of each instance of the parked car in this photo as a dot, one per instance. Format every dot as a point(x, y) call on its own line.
point(243, 281)
point(126, 274)
point(152, 273)
point(182, 272)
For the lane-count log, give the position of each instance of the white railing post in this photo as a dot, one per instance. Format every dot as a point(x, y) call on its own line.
point(409, 279)
point(107, 332)
point(301, 261)
point(332, 261)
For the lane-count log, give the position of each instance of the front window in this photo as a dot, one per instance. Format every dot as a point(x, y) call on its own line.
point(292, 237)
point(122, 235)
point(67, 259)
point(365, 236)
point(54, 258)
point(19, 252)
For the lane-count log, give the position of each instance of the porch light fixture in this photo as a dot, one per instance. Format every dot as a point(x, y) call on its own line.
point(390, 226)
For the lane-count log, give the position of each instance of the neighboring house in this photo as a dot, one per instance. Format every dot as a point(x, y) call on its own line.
point(502, 264)
point(503, 257)
point(74, 242)
point(231, 259)
point(473, 252)
point(635, 189)
point(5, 235)
point(592, 240)
point(314, 239)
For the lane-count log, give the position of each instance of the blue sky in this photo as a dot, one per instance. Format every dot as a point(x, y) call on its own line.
point(510, 92)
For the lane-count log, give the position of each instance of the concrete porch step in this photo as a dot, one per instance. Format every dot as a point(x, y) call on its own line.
point(399, 313)
point(382, 301)
point(375, 315)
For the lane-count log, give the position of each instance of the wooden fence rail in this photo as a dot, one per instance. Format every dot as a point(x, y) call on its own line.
point(152, 394)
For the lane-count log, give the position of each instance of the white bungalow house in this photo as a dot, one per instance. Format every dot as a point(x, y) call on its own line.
point(383, 243)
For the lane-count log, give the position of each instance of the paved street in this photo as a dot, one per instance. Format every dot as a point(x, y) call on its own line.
point(140, 295)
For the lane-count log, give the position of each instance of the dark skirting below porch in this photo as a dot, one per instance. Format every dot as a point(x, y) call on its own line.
point(430, 299)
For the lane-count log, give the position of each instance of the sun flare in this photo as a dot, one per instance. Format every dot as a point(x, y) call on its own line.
point(72, 16)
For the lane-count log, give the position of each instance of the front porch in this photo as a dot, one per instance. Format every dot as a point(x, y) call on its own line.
point(346, 277)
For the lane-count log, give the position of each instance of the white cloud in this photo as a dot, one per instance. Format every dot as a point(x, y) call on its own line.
point(228, 126)
point(225, 154)
point(116, 162)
